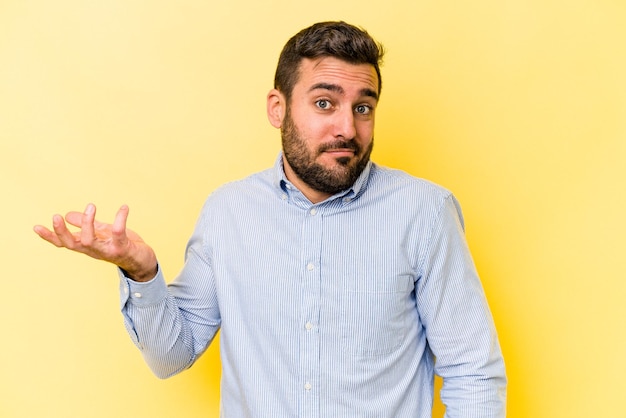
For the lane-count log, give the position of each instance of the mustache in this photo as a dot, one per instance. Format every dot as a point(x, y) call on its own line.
point(340, 144)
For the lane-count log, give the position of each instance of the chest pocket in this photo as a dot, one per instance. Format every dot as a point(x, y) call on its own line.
point(376, 318)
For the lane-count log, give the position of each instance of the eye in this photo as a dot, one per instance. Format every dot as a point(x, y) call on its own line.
point(322, 104)
point(363, 109)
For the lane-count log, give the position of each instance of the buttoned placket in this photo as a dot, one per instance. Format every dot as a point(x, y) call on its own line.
point(310, 312)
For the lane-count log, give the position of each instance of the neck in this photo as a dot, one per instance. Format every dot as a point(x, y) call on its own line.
point(314, 196)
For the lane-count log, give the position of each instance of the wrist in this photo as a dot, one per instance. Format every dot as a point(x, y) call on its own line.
point(141, 276)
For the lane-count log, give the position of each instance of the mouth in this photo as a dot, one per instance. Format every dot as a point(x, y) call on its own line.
point(340, 149)
point(340, 152)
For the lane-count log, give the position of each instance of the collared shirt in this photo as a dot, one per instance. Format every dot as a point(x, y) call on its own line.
point(335, 309)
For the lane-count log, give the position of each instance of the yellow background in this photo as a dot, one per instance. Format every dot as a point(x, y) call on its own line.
point(519, 107)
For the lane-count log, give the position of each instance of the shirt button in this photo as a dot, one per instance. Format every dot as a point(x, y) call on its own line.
point(137, 295)
point(307, 386)
point(310, 266)
point(313, 211)
point(308, 326)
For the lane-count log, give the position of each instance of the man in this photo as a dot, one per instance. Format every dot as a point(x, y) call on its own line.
point(335, 282)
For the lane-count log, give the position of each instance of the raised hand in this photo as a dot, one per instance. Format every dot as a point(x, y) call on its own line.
point(110, 242)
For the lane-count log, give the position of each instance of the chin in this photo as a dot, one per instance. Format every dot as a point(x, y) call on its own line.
point(344, 160)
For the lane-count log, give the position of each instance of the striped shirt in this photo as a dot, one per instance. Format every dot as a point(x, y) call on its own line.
point(335, 309)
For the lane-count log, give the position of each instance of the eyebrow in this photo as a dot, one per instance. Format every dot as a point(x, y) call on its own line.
point(338, 89)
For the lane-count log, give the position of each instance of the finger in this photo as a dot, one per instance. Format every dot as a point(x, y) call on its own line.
point(74, 218)
point(47, 235)
point(63, 234)
point(87, 233)
point(119, 227)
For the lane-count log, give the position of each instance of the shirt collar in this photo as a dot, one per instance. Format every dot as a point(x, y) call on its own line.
point(285, 187)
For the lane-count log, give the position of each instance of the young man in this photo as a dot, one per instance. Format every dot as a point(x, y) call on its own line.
point(335, 282)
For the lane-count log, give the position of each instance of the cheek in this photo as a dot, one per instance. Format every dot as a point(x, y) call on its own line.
point(365, 132)
point(313, 129)
point(317, 133)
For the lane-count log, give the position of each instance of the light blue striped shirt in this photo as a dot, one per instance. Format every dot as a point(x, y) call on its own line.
point(335, 309)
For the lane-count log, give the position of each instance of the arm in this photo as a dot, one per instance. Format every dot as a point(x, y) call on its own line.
point(161, 320)
point(458, 323)
point(173, 325)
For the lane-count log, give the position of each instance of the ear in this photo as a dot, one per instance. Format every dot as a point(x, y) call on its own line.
point(276, 106)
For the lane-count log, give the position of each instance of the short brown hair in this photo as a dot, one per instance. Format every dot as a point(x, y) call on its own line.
point(326, 39)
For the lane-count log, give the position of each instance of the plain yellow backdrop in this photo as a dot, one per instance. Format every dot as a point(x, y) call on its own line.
point(518, 107)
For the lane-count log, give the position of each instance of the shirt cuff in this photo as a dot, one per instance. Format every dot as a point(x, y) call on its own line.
point(142, 293)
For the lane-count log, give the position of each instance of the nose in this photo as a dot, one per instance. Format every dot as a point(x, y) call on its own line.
point(344, 124)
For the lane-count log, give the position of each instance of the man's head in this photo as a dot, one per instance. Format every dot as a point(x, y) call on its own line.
point(326, 91)
point(326, 39)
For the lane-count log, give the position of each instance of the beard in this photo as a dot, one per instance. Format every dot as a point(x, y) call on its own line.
point(329, 180)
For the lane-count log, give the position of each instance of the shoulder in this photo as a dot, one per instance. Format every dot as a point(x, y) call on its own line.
point(252, 185)
point(411, 195)
point(238, 196)
point(399, 184)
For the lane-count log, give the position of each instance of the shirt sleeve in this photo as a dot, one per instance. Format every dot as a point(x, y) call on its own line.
point(458, 324)
point(172, 325)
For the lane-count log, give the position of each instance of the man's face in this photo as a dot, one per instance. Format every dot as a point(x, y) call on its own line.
point(327, 131)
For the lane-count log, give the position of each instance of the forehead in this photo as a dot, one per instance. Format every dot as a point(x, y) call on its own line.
point(330, 70)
